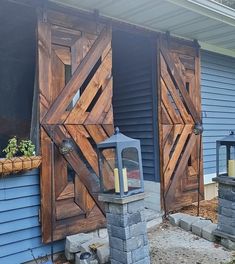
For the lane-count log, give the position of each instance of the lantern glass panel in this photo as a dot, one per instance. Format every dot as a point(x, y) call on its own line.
point(131, 168)
point(222, 165)
point(231, 160)
point(108, 164)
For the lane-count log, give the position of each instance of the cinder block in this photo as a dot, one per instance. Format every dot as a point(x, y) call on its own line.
point(187, 221)
point(102, 233)
point(103, 253)
point(120, 257)
point(133, 243)
point(119, 232)
point(77, 258)
point(207, 232)
point(227, 204)
point(226, 229)
point(175, 218)
point(227, 212)
point(140, 253)
point(138, 229)
point(226, 220)
point(74, 242)
point(68, 255)
point(198, 225)
point(135, 206)
point(229, 244)
point(116, 243)
point(117, 208)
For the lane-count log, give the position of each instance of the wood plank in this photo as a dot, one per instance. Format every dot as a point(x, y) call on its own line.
point(82, 197)
point(63, 53)
point(89, 180)
point(169, 143)
point(108, 119)
point(79, 113)
point(166, 79)
point(169, 106)
point(45, 185)
point(63, 36)
point(109, 129)
point(58, 76)
point(176, 155)
point(180, 84)
point(74, 22)
point(96, 220)
point(77, 132)
point(165, 118)
point(102, 105)
point(68, 192)
point(166, 131)
point(170, 193)
point(44, 67)
point(67, 208)
point(61, 103)
point(60, 168)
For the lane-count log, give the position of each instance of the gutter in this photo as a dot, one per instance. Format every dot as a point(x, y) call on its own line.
point(208, 8)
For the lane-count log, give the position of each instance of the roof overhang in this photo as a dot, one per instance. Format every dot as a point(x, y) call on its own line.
point(207, 21)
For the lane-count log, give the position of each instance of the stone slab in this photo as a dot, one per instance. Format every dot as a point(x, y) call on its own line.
point(103, 253)
point(229, 244)
point(109, 198)
point(175, 218)
point(226, 204)
point(187, 221)
point(198, 225)
point(208, 232)
point(69, 256)
point(74, 242)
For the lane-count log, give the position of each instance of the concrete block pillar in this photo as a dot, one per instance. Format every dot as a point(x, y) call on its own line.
point(126, 229)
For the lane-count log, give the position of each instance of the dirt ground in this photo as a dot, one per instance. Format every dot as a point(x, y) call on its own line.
point(208, 209)
point(173, 245)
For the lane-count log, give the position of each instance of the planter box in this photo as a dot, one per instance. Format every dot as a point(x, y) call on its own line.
point(18, 164)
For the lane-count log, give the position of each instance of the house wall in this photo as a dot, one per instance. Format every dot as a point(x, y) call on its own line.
point(134, 89)
point(218, 105)
point(20, 231)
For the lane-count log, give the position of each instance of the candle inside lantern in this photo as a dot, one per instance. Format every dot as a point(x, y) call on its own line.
point(231, 168)
point(116, 180)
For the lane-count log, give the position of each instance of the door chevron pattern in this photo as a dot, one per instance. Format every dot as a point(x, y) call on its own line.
point(179, 112)
point(75, 83)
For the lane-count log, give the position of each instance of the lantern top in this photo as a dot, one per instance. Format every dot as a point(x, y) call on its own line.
point(115, 139)
point(229, 138)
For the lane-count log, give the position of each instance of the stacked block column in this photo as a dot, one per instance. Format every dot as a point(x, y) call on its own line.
point(127, 232)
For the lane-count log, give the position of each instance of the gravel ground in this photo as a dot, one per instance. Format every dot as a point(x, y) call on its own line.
point(173, 245)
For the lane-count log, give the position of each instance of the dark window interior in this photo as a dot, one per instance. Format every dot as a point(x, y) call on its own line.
point(17, 71)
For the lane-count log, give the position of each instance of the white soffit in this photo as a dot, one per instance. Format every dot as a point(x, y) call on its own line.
point(212, 24)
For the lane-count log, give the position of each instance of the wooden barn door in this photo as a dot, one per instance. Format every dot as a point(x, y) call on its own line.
point(75, 96)
point(180, 106)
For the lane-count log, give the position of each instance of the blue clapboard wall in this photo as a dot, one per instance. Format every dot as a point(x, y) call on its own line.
point(134, 95)
point(218, 103)
point(20, 231)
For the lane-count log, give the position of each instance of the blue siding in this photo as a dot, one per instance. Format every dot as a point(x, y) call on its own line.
point(133, 96)
point(218, 103)
point(20, 231)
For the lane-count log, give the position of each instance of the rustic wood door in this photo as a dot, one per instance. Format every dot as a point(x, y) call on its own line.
point(179, 111)
point(75, 97)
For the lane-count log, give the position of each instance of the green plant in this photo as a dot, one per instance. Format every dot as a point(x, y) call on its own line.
point(12, 148)
point(27, 148)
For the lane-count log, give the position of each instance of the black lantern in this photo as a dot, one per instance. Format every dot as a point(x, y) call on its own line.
point(120, 165)
point(225, 156)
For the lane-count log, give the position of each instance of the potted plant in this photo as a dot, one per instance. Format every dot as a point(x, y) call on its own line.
point(19, 157)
